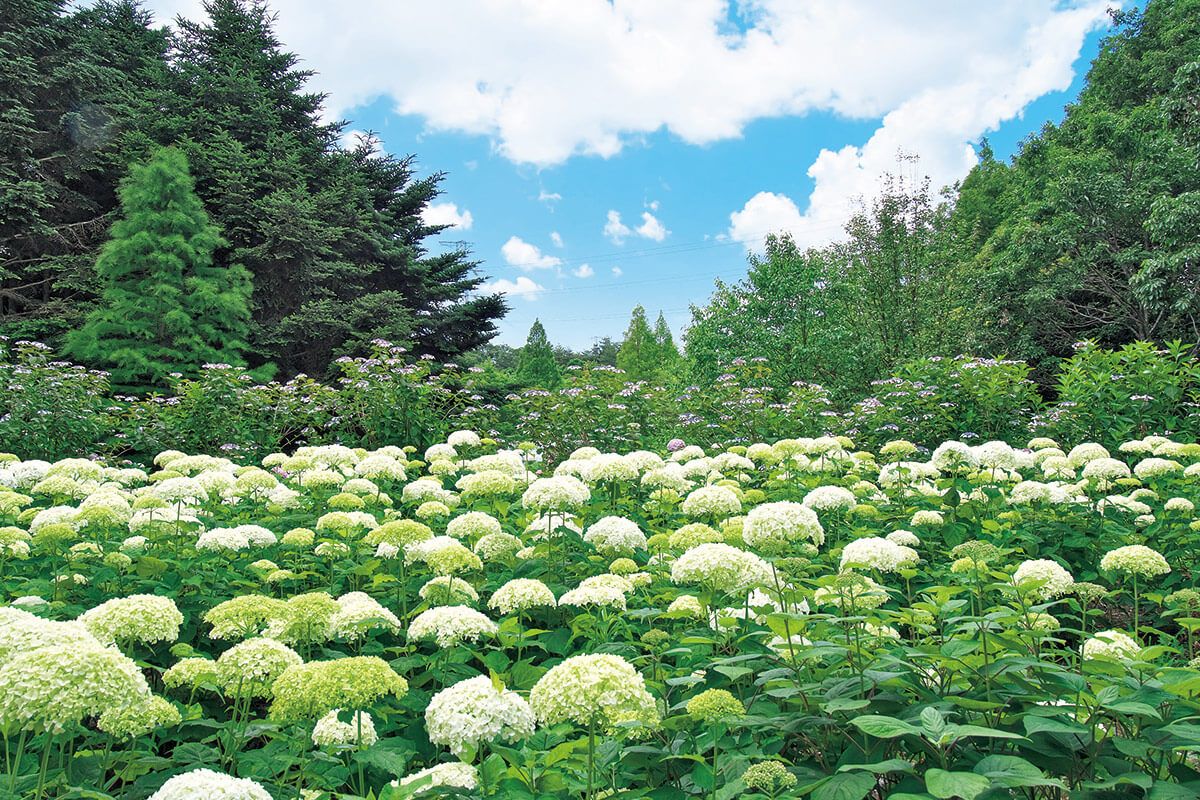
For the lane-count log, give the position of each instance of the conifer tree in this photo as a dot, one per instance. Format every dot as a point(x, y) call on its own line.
point(166, 305)
point(535, 363)
point(638, 355)
point(668, 354)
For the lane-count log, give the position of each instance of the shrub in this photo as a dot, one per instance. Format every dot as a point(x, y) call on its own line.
point(225, 410)
point(932, 399)
point(1110, 396)
point(51, 408)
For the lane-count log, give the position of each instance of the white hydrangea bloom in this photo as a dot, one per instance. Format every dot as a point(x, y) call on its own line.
point(476, 711)
point(451, 625)
point(877, 553)
point(205, 784)
point(1050, 578)
point(330, 731)
point(614, 536)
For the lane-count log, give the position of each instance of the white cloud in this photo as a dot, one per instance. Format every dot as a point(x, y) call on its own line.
point(550, 80)
point(447, 214)
point(523, 287)
point(936, 123)
point(548, 197)
point(651, 228)
point(766, 212)
point(547, 81)
point(614, 229)
point(523, 255)
point(556, 238)
point(353, 138)
point(617, 272)
point(583, 271)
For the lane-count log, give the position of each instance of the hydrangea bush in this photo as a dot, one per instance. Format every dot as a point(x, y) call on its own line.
point(796, 617)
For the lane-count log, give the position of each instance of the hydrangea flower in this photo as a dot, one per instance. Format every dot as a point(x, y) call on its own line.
point(312, 690)
point(1044, 578)
point(358, 613)
point(132, 721)
point(559, 493)
point(330, 731)
point(715, 502)
point(602, 690)
point(520, 595)
point(476, 711)
point(769, 777)
point(830, 498)
point(205, 784)
point(49, 688)
point(249, 669)
point(1111, 644)
point(873, 552)
point(1135, 559)
point(721, 567)
point(451, 625)
point(773, 527)
point(614, 536)
point(715, 705)
point(455, 775)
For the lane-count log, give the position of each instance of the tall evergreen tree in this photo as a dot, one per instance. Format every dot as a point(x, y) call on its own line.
point(638, 355)
point(73, 89)
point(333, 235)
point(536, 365)
point(668, 354)
point(166, 306)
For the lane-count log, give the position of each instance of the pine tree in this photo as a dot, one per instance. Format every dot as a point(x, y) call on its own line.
point(668, 355)
point(333, 236)
point(71, 87)
point(535, 363)
point(638, 355)
point(166, 306)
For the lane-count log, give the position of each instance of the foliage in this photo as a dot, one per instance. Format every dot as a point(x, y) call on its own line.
point(639, 356)
point(1113, 395)
point(52, 408)
point(1096, 214)
point(389, 397)
point(536, 365)
point(933, 399)
point(1089, 233)
point(166, 305)
point(331, 233)
point(266, 627)
point(840, 315)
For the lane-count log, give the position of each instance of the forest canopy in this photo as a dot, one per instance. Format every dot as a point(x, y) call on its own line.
point(331, 232)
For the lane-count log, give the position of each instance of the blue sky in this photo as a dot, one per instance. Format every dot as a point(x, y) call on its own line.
point(600, 155)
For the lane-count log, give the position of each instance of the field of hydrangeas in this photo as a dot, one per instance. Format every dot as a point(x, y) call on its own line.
point(796, 619)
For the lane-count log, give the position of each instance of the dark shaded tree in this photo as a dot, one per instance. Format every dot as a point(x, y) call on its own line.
point(333, 235)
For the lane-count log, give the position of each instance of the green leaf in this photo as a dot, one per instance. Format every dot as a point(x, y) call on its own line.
point(966, 785)
point(733, 673)
point(1053, 725)
point(846, 786)
point(1013, 771)
point(884, 727)
point(1166, 790)
point(955, 732)
point(880, 767)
